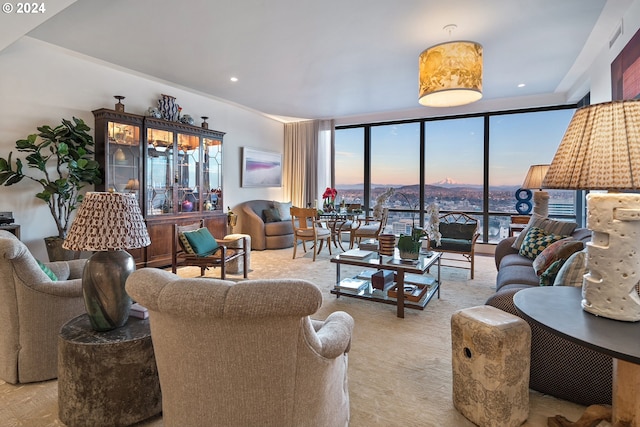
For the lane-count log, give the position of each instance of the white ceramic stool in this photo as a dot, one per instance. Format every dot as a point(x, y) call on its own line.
point(236, 266)
point(491, 356)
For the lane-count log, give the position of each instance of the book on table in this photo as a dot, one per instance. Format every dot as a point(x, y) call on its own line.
point(356, 254)
point(353, 284)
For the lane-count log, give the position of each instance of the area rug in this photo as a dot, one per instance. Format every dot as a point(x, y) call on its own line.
point(399, 369)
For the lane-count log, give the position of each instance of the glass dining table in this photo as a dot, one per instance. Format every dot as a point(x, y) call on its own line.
point(338, 223)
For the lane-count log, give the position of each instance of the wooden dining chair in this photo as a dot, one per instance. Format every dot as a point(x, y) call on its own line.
point(307, 228)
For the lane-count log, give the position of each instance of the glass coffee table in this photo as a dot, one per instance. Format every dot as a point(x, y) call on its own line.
point(412, 276)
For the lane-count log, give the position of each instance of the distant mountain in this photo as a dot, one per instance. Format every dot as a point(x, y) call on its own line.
point(447, 182)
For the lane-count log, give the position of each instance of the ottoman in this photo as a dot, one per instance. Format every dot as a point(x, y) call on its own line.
point(491, 354)
point(236, 266)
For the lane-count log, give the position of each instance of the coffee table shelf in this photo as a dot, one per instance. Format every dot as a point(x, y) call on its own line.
point(386, 295)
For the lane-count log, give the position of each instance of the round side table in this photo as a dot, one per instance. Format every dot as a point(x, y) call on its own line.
point(107, 378)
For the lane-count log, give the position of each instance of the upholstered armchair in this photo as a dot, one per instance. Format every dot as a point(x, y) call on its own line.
point(245, 354)
point(33, 308)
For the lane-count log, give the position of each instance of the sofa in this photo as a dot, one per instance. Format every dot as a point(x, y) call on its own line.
point(559, 367)
point(268, 223)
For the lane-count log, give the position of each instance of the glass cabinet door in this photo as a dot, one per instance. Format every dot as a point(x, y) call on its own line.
point(160, 173)
point(123, 157)
point(212, 178)
point(188, 173)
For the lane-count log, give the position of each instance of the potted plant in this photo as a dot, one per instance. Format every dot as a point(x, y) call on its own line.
point(63, 164)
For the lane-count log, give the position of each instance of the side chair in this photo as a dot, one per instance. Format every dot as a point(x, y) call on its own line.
point(307, 228)
point(368, 228)
point(193, 245)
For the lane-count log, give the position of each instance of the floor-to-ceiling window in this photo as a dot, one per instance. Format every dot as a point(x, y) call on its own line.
point(395, 162)
point(518, 141)
point(474, 164)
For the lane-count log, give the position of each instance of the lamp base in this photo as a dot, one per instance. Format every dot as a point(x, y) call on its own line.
point(611, 286)
point(541, 203)
point(103, 279)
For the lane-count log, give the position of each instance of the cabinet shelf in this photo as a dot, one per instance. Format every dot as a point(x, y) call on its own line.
point(174, 169)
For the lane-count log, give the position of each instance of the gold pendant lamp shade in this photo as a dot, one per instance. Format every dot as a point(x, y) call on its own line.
point(450, 74)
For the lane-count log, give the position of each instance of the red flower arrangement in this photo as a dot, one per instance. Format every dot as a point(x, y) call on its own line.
point(330, 195)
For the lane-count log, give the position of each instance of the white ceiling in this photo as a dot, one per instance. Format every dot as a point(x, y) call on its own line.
point(332, 58)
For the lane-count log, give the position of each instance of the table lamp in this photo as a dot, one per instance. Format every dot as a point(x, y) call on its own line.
point(601, 151)
point(533, 181)
point(107, 223)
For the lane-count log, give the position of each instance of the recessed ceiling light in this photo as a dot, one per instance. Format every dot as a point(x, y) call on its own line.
point(521, 85)
point(234, 79)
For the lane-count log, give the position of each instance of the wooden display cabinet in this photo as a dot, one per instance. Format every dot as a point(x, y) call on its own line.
point(175, 170)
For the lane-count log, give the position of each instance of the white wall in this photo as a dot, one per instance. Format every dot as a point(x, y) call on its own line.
point(41, 84)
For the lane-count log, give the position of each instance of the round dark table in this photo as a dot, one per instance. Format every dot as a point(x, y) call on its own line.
point(558, 309)
point(107, 378)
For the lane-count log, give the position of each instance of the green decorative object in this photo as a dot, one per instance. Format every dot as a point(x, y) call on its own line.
point(409, 245)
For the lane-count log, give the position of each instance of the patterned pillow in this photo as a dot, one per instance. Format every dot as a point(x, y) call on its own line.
point(535, 241)
point(563, 228)
point(572, 271)
point(562, 249)
point(186, 246)
point(548, 277)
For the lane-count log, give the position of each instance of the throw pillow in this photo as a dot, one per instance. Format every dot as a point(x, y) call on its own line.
point(284, 209)
point(47, 271)
point(184, 243)
point(271, 215)
point(535, 241)
point(572, 270)
point(563, 228)
point(548, 277)
point(562, 249)
point(201, 241)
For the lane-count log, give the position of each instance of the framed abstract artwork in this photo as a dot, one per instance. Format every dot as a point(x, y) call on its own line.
point(625, 71)
point(261, 168)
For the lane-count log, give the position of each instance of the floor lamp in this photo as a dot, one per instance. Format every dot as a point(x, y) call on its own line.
point(107, 223)
point(601, 151)
point(533, 181)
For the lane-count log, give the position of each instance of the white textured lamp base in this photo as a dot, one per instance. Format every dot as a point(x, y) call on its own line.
point(541, 203)
point(609, 289)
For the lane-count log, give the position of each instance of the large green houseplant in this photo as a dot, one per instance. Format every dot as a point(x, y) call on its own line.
point(63, 164)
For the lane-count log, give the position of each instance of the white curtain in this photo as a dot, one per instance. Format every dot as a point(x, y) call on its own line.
point(308, 155)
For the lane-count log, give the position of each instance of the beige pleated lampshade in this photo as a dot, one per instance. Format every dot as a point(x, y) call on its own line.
point(535, 176)
point(600, 149)
point(107, 221)
point(450, 74)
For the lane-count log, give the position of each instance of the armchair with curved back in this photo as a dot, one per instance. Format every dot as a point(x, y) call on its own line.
point(33, 308)
point(368, 228)
point(245, 354)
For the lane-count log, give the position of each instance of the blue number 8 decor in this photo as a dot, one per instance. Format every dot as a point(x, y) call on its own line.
point(523, 204)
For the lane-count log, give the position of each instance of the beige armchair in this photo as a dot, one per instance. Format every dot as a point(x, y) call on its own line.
point(33, 308)
point(245, 354)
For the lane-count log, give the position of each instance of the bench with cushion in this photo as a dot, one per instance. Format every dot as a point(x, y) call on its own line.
point(459, 233)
